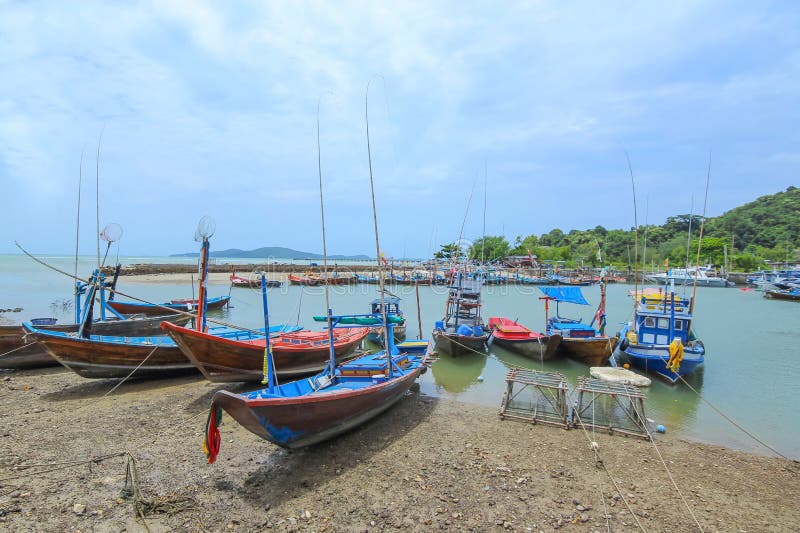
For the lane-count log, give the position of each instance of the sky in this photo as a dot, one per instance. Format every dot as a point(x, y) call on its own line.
point(210, 109)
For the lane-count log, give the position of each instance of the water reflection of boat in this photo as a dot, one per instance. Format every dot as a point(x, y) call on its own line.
point(457, 374)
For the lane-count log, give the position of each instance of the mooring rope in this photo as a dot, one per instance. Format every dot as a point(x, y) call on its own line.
point(735, 423)
point(18, 348)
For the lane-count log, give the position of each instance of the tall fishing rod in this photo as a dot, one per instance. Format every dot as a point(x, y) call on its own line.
point(485, 181)
point(388, 333)
point(700, 240)
point(635, 234)
point(326, 281)
point(78, 288)
point(644, 246)
point(689, 237)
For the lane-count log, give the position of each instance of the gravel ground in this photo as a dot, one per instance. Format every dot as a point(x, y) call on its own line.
point(424, 465)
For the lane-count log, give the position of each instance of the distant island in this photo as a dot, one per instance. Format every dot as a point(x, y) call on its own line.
point(277, 252)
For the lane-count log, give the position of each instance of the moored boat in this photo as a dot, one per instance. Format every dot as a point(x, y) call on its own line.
point(785, 294)
point(660, 338)
point(187, 304)
point(462, 330)
point(579, 341)
point(512, 336)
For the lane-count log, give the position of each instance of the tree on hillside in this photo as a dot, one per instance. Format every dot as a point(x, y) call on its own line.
point(489, 248)
point(450, 252)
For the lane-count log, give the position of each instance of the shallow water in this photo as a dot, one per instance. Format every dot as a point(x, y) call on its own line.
point(750, 371)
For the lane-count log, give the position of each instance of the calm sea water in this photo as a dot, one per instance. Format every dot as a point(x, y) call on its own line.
point(751, 371)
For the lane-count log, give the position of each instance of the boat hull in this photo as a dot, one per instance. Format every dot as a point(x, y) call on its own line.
point(296, 422)
point(376, 334)
point(455, 345)
point(227, 360)
point(654, 359)
point(541, 349)
point(34, 355)
point(782, 295)
point(590, 351)
point(100, 359)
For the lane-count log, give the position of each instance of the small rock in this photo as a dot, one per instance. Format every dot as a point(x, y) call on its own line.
point(580, 508)
point(79, 508)
point(15, 494)
point(576, 501)
point(584, 517)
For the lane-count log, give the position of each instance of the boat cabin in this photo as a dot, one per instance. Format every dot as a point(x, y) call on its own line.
point(661, 319)
point(391, 303)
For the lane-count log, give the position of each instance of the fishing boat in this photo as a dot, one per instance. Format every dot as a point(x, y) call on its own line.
point(786, 294)
point(31, 354)
point(238, 281)
point(312, 279)
point(660, 338)
point(375, 319)
point(583, 342)
point(514, 337)
point(307, 411)
point(188, 304)
point(462, 330)
point(240, 357)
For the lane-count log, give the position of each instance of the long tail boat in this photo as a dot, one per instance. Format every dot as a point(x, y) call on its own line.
point(787, 294)
point(514, 337)
point(341, 397)
point(31, 354)
point(296, 354)
point(578, 340)
point(188, 304)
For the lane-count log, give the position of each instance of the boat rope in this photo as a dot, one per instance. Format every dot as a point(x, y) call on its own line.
point(601, 464)
point(123, 380)
point(740, 427)
point(664, 464)
point(55, 467)
point(28, 345)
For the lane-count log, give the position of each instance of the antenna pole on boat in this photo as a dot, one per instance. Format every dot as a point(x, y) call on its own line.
point(419, 312)
point(387, 331)
point(635, 235)
point(689, 237)
point(269, 364)
point(77, 240)
point(201, 287)
point(700, 240)
point(485, 181)
point(97, 195)
point(325, 281)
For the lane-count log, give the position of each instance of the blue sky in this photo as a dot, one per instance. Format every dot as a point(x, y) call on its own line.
point(210, 109)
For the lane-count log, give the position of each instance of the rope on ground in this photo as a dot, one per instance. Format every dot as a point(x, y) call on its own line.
point(666, 468)
point(168, 504)
point(739, 426)
point(600, 464)
point(60, 466)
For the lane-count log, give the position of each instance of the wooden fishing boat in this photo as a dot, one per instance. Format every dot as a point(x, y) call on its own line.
point(461, 330)
point(307, 411)
point(241, 358)
point(579, 341)
point(660, 338)
point(31, 354)
point(188, 304)
point(104, 356)
point(240, 282)
point(788, 294)
point(512, 336)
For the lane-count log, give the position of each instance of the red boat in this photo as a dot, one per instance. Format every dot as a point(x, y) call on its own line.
point(296, 354)
point(515, 337)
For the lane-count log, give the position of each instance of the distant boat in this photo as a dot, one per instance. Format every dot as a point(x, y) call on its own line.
point(241, 357)
point(686, 276)
point(660, 338)
point(515, 337)
point(238, 281)
point(135, 308)
point(787, 294)
point(315, 279)
point(462, 330)
point(579, 341)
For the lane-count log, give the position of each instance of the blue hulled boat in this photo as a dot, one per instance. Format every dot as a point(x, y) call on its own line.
point(660, 338)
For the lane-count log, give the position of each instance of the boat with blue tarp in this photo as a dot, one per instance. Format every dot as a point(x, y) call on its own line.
point(587, 343)
point(462, 330)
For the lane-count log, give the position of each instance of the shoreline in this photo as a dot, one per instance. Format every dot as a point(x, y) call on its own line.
point(426, 463)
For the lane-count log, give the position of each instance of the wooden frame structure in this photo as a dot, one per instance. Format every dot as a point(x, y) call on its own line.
point(621, 399)
point(549, 398)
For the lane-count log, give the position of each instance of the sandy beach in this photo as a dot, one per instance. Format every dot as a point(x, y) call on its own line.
point(425, 465)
